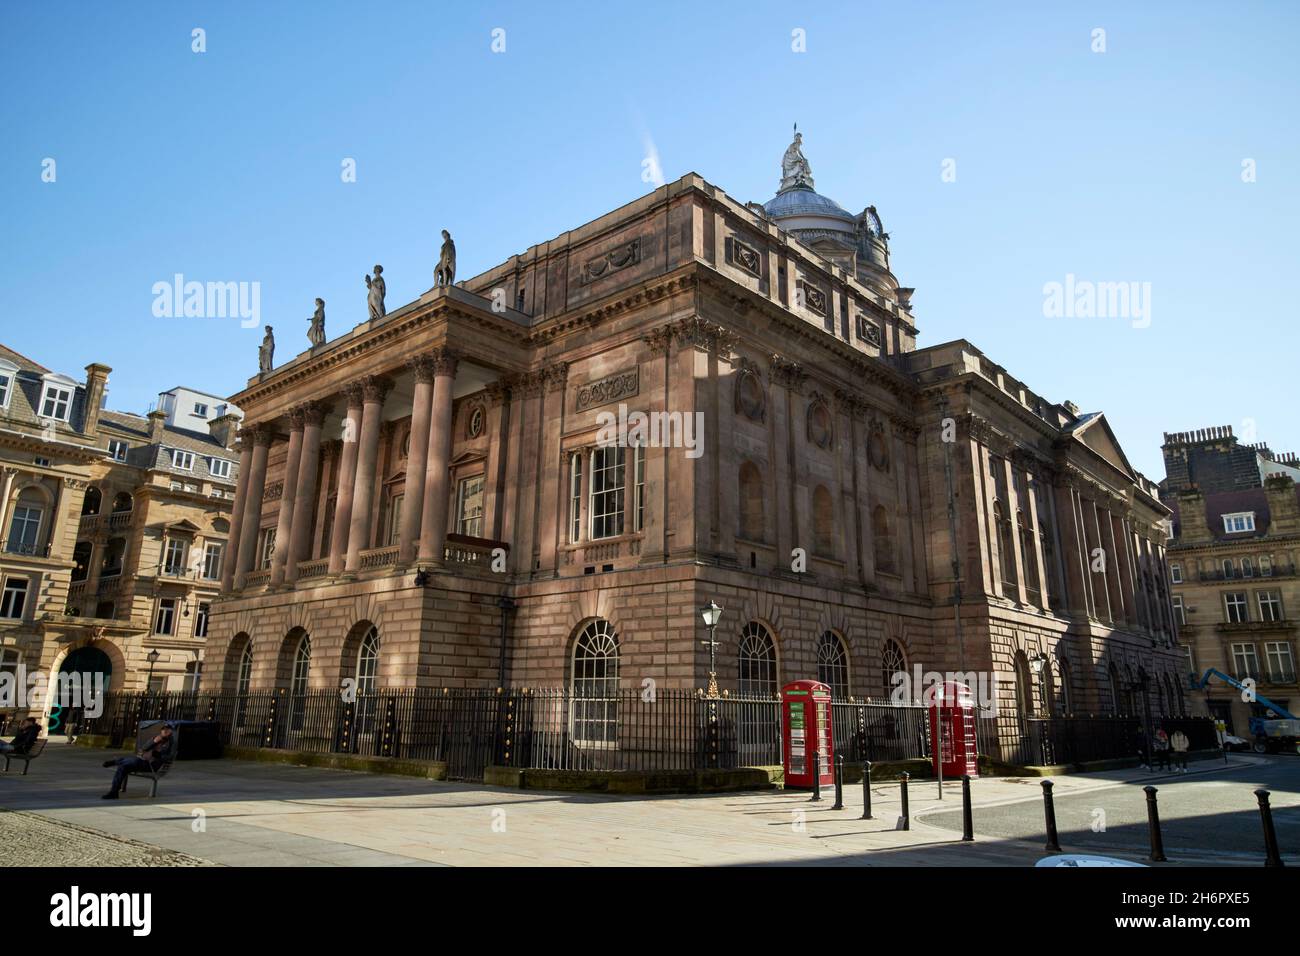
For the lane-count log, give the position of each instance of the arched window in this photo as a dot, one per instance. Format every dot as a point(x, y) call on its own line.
point(1118, 699)
point(883, 540)
point(595, 685)
point(757, 662)
point(833, 665)
point(752, 520)
point(892, 661)
point(91, 503)
point(27, 523)
point(823, 522)
point(1024, 686)
point(243, 680)
point(298, 682)
point(368, 662)
point(122, 503)
point(1067, 701)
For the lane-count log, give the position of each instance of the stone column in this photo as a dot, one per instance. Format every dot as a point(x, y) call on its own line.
point(229, 557)
point(417, 457)
point(338, 543)
point(7, 478)
point(498, 417)
point(253, 492)
point(373, 389)
point(304, 505)
point(433, 521)
point(284, 521)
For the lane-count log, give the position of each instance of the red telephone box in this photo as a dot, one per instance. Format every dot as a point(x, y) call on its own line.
point(953, 711)
point(806, 729)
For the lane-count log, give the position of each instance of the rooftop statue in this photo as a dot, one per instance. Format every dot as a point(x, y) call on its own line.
point(266, 352)
point(794, 167)
point(316, 333)
point(375, 297)
point(445, 274)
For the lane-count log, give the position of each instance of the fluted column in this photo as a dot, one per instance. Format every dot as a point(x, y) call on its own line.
point(433, 523)
point(338, 543)
point(417, 459)
point(374, 389)
point(253, 492)
point(305, 492)
point(284, 522)
point(231, 556)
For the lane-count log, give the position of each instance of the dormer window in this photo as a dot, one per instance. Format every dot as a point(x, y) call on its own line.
point(1239, 522)
point(182, 460)
point(200, 410)
point(56, 398)
point(219, 467)
point(8, 381)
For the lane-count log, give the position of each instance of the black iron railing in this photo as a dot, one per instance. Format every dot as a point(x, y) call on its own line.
point(621, 730)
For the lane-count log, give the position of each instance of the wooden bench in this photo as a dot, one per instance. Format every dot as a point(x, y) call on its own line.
point(153, 775)
point(37, 749)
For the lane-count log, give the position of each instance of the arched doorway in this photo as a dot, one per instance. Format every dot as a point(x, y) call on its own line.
point(93, 670)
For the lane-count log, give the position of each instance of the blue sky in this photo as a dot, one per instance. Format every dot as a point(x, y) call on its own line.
point(225, 166)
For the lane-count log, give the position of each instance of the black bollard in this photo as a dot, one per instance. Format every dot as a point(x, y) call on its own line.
point(1153, 825)
point(839, 783)
point(907, 816)
point(866, 790)
point(1049, 812)
point(967, 824)
point(1273, 856)
point(817, 777)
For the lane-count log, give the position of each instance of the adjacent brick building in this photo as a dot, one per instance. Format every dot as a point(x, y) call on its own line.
point(857, 505)
point(113, 529)
point(1232, 564)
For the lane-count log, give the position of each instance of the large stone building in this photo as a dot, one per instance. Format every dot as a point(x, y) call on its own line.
point(113, 528)
point(1232, 566)
point(857, 505)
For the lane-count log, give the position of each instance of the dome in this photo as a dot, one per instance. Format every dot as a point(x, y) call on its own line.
point(802, 201)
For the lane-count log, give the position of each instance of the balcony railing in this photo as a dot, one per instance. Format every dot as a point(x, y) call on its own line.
point(472, 552)
point(313, 569)
point(257, 579)
point(1278, 571)
point(378, 558)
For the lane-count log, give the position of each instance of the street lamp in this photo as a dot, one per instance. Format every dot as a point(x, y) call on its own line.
point(152, 658)
point(711, 614)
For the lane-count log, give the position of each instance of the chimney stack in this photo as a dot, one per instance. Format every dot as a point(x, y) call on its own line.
point(157, 419)
point(96, 386)
point(1192, 525)
point(224, 429)
point(1284, 509)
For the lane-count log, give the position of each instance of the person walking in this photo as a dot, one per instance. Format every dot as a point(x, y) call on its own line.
point(1180, 745)
point(1160, 748)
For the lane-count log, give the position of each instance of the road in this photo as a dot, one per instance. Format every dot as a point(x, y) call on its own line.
point(1213, 816)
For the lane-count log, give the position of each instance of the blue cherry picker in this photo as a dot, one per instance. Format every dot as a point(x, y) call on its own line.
point(1269, 735)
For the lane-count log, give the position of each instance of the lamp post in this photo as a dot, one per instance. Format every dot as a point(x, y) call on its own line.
point(711, 614)
point(152, 658)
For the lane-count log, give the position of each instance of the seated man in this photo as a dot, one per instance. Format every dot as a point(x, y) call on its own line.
point(28, 731)
point(157, 752)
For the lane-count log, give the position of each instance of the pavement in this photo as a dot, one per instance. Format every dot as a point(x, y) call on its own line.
point(242, 813)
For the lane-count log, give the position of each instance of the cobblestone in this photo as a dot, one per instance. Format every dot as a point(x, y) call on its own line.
point(27, 839)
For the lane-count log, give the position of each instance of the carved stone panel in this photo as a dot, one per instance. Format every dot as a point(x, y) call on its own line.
point(612, 388)
point(620, 257)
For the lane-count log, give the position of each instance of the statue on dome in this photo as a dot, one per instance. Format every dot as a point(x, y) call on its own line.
point(795, 170)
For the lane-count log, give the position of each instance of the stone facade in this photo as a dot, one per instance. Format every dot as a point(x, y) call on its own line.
point(1233, 561)
point(451, 454)
point(104, 534)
